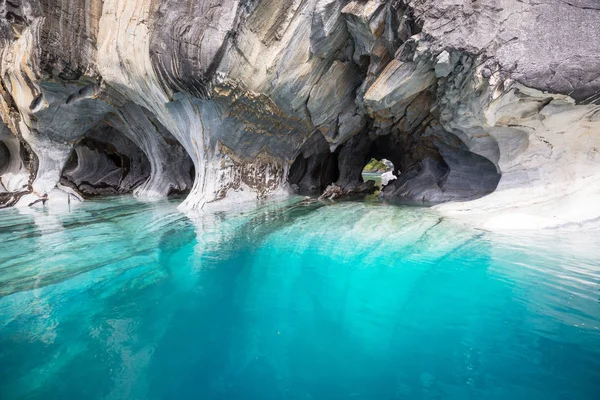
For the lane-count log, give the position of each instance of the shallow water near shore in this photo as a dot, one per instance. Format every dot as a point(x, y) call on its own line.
point(121, 299)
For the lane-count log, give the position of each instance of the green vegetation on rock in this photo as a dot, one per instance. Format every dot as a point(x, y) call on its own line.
point(375, 166)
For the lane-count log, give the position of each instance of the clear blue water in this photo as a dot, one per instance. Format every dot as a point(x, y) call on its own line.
point(118, 299)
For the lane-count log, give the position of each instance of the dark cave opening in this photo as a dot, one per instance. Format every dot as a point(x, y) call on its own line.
point(105, 162)
point(314, 173)
point(4, 157)
point(191, 176)
point(436, 167)
point(391, 155)
point(14, 170)
point(358, 152)
point(427, 168)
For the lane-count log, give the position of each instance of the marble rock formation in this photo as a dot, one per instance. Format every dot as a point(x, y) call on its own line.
point(491, 107)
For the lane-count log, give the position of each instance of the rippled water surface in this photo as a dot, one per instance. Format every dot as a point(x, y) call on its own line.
point(118, 299)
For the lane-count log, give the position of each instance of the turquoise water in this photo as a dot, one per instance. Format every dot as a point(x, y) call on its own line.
point(126, 300)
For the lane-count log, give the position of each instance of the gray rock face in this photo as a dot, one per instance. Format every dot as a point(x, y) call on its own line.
point(496, 100)
point(550, 45)
point(106, 162)
point(14, 174)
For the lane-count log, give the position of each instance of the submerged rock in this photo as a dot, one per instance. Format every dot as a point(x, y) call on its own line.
point(334, 191)
point(484, 101)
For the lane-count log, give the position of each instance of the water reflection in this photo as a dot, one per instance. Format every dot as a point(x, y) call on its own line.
point(122, 299)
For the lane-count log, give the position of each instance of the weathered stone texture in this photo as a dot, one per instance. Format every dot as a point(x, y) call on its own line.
point(491, 99)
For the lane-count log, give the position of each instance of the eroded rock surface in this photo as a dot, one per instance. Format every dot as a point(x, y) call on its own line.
point(488, 105)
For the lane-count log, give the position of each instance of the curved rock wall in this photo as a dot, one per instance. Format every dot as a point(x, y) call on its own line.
point(14, 174)
point(106, 162)
point(470, 100)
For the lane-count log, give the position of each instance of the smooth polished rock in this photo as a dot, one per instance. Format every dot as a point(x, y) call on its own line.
point(485, 101)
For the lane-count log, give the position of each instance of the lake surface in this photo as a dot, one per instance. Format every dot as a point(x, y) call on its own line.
point(120, 299)
point(372, 176)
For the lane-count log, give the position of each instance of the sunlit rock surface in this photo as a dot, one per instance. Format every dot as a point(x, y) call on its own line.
point(491, 107)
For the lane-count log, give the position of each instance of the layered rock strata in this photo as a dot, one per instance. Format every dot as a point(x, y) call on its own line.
point(485, 106)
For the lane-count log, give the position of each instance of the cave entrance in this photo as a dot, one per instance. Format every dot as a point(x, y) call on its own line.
point(14, 173)
point(381, 171)
point(315, 168)
point(105, 162)
point(4, 159)
point(314, 173)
